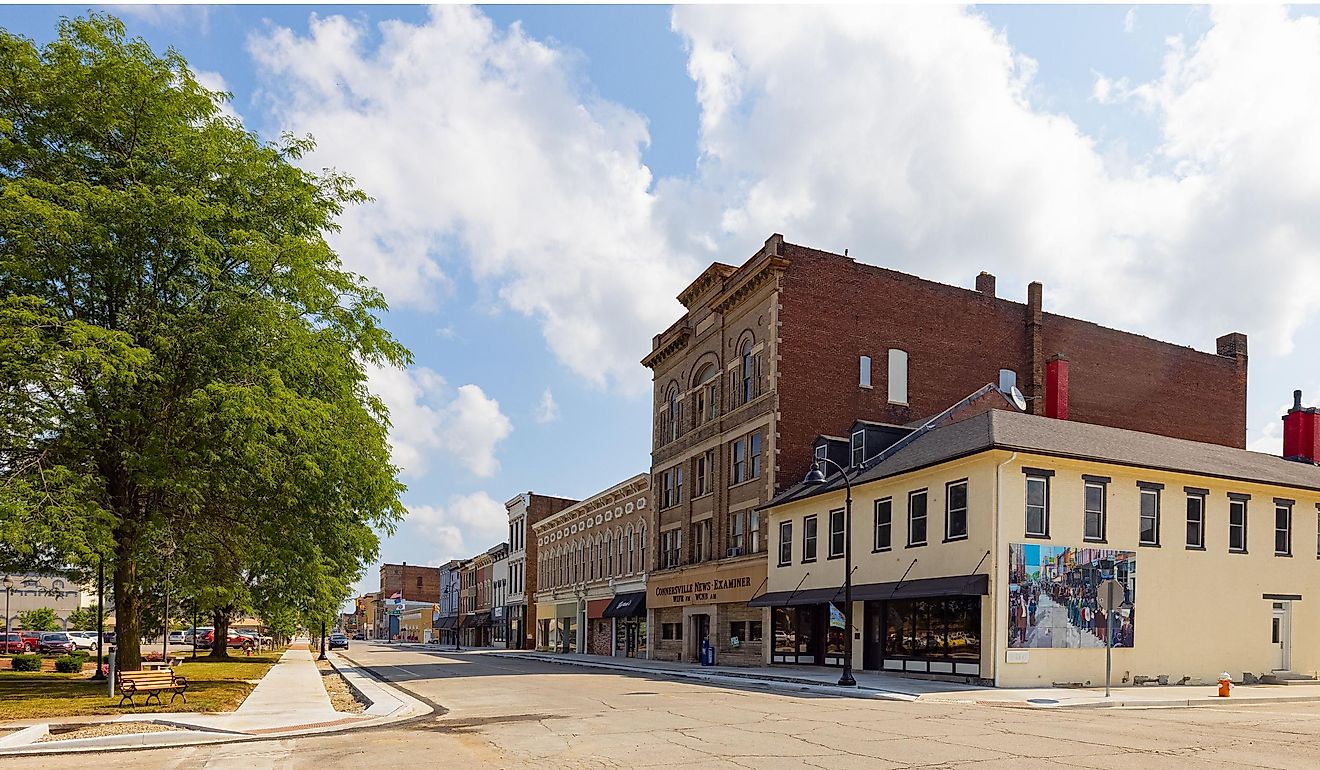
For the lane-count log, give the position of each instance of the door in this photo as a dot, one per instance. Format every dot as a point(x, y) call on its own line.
point(1281, 637)
point(701, 627)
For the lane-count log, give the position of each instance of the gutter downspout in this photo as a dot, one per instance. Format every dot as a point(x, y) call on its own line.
point(998, 564)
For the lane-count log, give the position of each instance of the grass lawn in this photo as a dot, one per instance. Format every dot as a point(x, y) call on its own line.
point(212, 686)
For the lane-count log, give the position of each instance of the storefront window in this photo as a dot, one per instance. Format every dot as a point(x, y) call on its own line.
point(936, 628)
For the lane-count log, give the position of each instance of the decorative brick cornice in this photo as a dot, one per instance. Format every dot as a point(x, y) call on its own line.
point(711, 277)
point(673, 340)
point(758, 276)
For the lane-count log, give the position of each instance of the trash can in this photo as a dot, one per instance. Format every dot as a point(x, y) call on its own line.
point(707, 653)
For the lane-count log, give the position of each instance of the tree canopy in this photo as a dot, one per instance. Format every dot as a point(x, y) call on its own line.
point(182, 354)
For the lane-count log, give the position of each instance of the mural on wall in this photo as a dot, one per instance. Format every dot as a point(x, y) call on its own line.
point(1052, 596)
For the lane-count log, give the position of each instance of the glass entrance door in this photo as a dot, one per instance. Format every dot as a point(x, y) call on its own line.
point(1280, 637)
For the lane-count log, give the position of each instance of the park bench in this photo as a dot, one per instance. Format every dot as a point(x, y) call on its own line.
point(152, 683)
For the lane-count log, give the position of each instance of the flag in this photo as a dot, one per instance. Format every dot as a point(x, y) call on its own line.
point(397, 595)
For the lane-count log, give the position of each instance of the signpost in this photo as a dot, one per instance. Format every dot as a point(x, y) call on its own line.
point(1109, 595)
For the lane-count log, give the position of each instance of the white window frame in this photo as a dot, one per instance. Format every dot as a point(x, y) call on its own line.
point(887, 525)
point(897, 381)
point(864, 373)
point(924, 517)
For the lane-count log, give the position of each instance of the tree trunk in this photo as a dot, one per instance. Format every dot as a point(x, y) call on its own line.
point(220, 645)
point(128, 607)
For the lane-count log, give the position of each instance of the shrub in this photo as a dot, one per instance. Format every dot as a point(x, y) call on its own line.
point(69, 664)
point(29, 662)
point(81, 655)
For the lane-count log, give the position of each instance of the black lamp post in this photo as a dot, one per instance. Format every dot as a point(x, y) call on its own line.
point(816, 477)
point(9, 589)
point(99, 676)
point(322, 655)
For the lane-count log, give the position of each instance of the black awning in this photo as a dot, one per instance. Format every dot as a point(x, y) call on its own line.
point(445, 623)
point(476, 620)
point(630, 605)
point(920, 588)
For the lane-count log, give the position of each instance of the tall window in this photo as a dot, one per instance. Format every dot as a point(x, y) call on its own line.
point(884, 524)
point(701, 541)
point(674, 413)
point(1237, 523)
point(601, 549)
point(754, 531)
point(609, 554)
point(1038, 502)
point(917, 517)
point(785, 543)
point(864, 376)
point(822, 452)
point(858, 446)
point(671, 487)
point(898, 377)
point(738, 532)
point(700, 478)
point(642, 561)
point(955, 510)
point(1094, 507)
point(1282, 527)
point(671, 547)
point(678, 485)
point(755, 442)
point(748, 372)
point(631, 552)
point(809, 539)
point(620, 541)
point(1196, 517)
point(836, 534)
point(1150, 513)
point(705, 397)
point(740, 461)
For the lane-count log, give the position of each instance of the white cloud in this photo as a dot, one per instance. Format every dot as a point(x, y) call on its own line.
point(166, 16)
point(484, 153)
point(547, 410)
point(214, 81)
point(427, 417)
point(465, 525)
point(909, 135)
point(1130, 20)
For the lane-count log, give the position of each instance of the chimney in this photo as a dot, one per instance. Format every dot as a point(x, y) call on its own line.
point(985, 283)
point(1301, 432)
point(1056, 387)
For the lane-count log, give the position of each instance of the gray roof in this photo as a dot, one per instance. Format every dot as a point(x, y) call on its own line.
point(1002, 429)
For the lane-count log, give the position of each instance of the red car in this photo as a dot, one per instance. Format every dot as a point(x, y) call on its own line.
point(32, 639)
point(235, 640)
point(12, 644)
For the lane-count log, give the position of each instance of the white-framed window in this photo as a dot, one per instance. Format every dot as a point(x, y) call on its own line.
point(1196, 517)
point(864, 375)
point(701, 477)
point(858, 446)
point(1237, 523)
point(955, 510)
point(898, 376)
point(1094, 502)
point(748, 365)
point(917, 518)
point(809, 525)
point(1038, 502)
point(739, 461)
point(785, 543)
point(837, 533)
point(671, 547)
point(701, 541)
point(884, 524)
point(1149, 533)
point(1283, 527)
point(754, 442)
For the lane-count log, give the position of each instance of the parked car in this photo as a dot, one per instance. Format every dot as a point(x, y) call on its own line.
point(359, 637)
point(56, 642)
point(32, 639)
point(338, 642)
point(83, 640)
point(201, 632)
point(12, 644)
point(176, 637)
point(207, 640)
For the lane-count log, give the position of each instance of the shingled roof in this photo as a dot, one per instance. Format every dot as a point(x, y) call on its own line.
point(1016, 431)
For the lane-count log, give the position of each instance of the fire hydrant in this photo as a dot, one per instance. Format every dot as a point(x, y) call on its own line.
point(1225, 684)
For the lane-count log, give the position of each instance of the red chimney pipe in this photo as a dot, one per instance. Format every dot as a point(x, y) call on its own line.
point(1301, 432)
point(1056, 387)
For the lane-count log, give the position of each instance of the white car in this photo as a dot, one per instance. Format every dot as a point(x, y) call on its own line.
point(83, 640)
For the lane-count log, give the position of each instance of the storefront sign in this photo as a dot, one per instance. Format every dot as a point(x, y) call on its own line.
point(709, 585)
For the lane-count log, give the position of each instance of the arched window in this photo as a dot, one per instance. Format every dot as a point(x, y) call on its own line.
point(609, 551)
point(707, 397)
point(748, 371)
point(600, 558)
point(630, 550)
point(641, 548)
point(675, 412)
point(620, 540)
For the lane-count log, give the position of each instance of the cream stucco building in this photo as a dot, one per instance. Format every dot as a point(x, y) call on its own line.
point(979, 546)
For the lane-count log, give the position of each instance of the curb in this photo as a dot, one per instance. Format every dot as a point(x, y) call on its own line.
point(1208, 702)
point(782, 683)
point(403, 707)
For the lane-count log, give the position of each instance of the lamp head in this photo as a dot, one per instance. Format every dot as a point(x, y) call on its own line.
point(815, 477)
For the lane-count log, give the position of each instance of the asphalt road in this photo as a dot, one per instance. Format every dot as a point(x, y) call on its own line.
point(509, 713)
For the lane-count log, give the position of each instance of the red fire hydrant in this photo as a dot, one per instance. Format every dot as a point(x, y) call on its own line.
point(1225, 684)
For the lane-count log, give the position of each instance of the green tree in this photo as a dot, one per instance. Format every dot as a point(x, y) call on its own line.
point(182, 355)
point(40, 619)
point(83, 618)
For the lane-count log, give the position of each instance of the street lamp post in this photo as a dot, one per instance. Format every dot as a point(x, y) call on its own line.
point(100, 616)
point(9, 589)
point(816, 477)
point(322, 655)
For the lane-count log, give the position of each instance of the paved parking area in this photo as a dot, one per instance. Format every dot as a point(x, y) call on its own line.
point(510, 713)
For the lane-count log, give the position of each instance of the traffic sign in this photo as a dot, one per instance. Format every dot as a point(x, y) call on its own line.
point(1104, 592)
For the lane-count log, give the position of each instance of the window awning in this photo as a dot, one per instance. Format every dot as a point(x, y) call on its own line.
point(920, 588)
point(630, 605)
point(476, 620)
point(446, 623)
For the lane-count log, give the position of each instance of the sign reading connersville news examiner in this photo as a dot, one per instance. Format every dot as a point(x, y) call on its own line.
point(715, 584)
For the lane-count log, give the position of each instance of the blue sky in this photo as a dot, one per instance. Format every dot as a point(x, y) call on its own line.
point(547, 178)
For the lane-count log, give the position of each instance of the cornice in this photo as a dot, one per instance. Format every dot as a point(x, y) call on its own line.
point(710, 277)
point(673, 340)
point(743, 288)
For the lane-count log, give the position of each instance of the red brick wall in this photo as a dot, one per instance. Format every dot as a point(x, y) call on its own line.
point(539, 507)
point(835, 310)
point(403, 577)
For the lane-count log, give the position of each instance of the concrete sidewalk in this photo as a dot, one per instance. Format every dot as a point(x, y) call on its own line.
point(289, 701)
point(894, 687)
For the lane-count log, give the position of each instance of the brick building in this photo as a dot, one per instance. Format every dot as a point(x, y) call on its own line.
point(447, 626)
point(420, 584)
point(591, 566)
point(798, 344)
point(525, 511)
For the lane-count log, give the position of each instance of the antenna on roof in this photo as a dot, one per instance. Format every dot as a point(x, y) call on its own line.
point(845, 252)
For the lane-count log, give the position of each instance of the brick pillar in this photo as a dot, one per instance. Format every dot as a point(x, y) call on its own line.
point(1035, 292)
point(985, 283)
point(1234, 346)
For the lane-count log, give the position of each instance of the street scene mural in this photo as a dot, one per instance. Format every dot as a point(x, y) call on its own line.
point(1052, 596)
